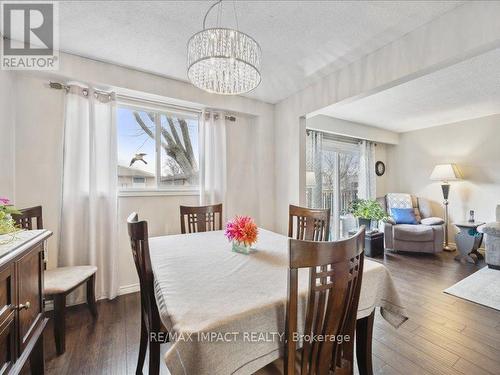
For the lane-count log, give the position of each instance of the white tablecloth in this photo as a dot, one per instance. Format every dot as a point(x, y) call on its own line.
point(227, 309)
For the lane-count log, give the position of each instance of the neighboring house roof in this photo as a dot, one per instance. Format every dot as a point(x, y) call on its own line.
point(177, 177)
point(124, 171)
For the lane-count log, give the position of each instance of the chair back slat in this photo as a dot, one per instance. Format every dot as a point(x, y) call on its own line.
point(310, 224)
point(201, 218)
point(30, 218)
point(139, 242)
point(335, 275)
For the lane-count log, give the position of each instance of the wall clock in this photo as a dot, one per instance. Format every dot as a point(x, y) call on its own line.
point(379, 168)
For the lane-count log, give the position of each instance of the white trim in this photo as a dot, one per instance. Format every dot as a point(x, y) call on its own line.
point(158, 192)
point(127, 289)
point(157, 140)
point(165, 107)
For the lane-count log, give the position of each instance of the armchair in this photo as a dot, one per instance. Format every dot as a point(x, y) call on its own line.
point(425, 237)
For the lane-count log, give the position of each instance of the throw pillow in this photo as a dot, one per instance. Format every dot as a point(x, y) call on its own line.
point(432, 221)
point(404, 215)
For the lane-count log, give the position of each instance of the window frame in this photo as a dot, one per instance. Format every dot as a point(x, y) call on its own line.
point(159, 109)
point(337, 145)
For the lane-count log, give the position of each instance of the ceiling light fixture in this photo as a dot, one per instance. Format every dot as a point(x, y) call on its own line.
point(223, 60)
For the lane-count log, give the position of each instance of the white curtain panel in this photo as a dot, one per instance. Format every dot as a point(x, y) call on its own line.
point(213, 177)
point(314, 159)
point(89, 201)
point(367, 177)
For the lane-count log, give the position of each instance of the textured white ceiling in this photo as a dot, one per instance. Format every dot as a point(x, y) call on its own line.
point(301, 40)
point(466, 90)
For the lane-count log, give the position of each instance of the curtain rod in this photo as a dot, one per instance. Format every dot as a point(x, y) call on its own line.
point(229, 117)
point(62, 86)
point(338, 137)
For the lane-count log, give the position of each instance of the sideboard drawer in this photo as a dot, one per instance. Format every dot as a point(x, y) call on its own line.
point(29, 272)
point(7, 295)
point(7, 344)
point(21, 302)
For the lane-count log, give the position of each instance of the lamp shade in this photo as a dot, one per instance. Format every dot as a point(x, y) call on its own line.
point(310, 179)
point(446, 172)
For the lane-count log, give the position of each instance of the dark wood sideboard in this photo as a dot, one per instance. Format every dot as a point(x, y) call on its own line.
point(22, 318)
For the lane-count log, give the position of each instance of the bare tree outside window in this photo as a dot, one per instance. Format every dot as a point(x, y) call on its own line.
point(141, 133)
point(179, 163)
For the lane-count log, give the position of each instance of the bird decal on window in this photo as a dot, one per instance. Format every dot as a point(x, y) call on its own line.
point(137, 157)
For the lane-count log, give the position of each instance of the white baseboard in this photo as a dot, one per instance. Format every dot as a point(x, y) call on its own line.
point(125, 289)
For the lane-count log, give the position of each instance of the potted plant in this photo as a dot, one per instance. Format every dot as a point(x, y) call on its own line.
point(7, 224)
point(366, 211)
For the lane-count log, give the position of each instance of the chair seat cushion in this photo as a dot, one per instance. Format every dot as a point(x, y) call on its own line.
point(414, 233)
point(62, 279)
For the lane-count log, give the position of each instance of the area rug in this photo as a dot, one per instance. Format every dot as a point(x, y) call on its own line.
point(482, 287)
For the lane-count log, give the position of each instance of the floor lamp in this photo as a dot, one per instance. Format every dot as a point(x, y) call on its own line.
point(445, 173)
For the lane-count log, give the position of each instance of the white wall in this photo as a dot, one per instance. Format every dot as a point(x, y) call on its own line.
point(7, 134)
point(473, 144)
point(352, 129)
point(162, 215)
point(38, 151)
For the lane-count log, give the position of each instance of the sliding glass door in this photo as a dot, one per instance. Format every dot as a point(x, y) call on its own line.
point(332, 176)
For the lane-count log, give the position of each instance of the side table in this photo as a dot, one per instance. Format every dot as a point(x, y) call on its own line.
point(468, 240)
point(374, 243)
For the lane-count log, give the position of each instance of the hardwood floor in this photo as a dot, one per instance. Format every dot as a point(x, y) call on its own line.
point(444, 335)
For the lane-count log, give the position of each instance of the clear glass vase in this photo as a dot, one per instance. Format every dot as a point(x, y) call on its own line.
point(240, 247)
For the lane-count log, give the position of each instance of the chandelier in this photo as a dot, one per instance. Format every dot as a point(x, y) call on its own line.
point(223, 60)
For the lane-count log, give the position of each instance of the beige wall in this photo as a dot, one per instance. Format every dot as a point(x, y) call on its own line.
point(38, 151)
point(6, 134)
point(473, 144)
point(39, 147)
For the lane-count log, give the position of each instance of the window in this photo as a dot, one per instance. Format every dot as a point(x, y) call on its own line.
point(157, 148)
point(332, 178)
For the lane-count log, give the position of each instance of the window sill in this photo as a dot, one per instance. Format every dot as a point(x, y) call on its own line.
point(157, 192)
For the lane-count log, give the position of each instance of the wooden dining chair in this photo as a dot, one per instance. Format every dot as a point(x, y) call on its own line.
point(201, 218)
point(60, 281)
point(335, 275)
point(311, 224)
point(150, 317)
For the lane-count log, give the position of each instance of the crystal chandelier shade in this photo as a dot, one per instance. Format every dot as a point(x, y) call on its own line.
point(223, 61)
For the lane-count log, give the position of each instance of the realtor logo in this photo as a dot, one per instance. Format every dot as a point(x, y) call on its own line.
point(30, 35)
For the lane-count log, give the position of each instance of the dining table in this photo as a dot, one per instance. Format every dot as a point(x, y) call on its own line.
point(225, 311)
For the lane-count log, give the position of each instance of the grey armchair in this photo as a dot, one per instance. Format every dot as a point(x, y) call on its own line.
point(425, 237)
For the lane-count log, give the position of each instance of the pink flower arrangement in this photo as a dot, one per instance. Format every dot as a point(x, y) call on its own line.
point(242, 229)
point(4, 201)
